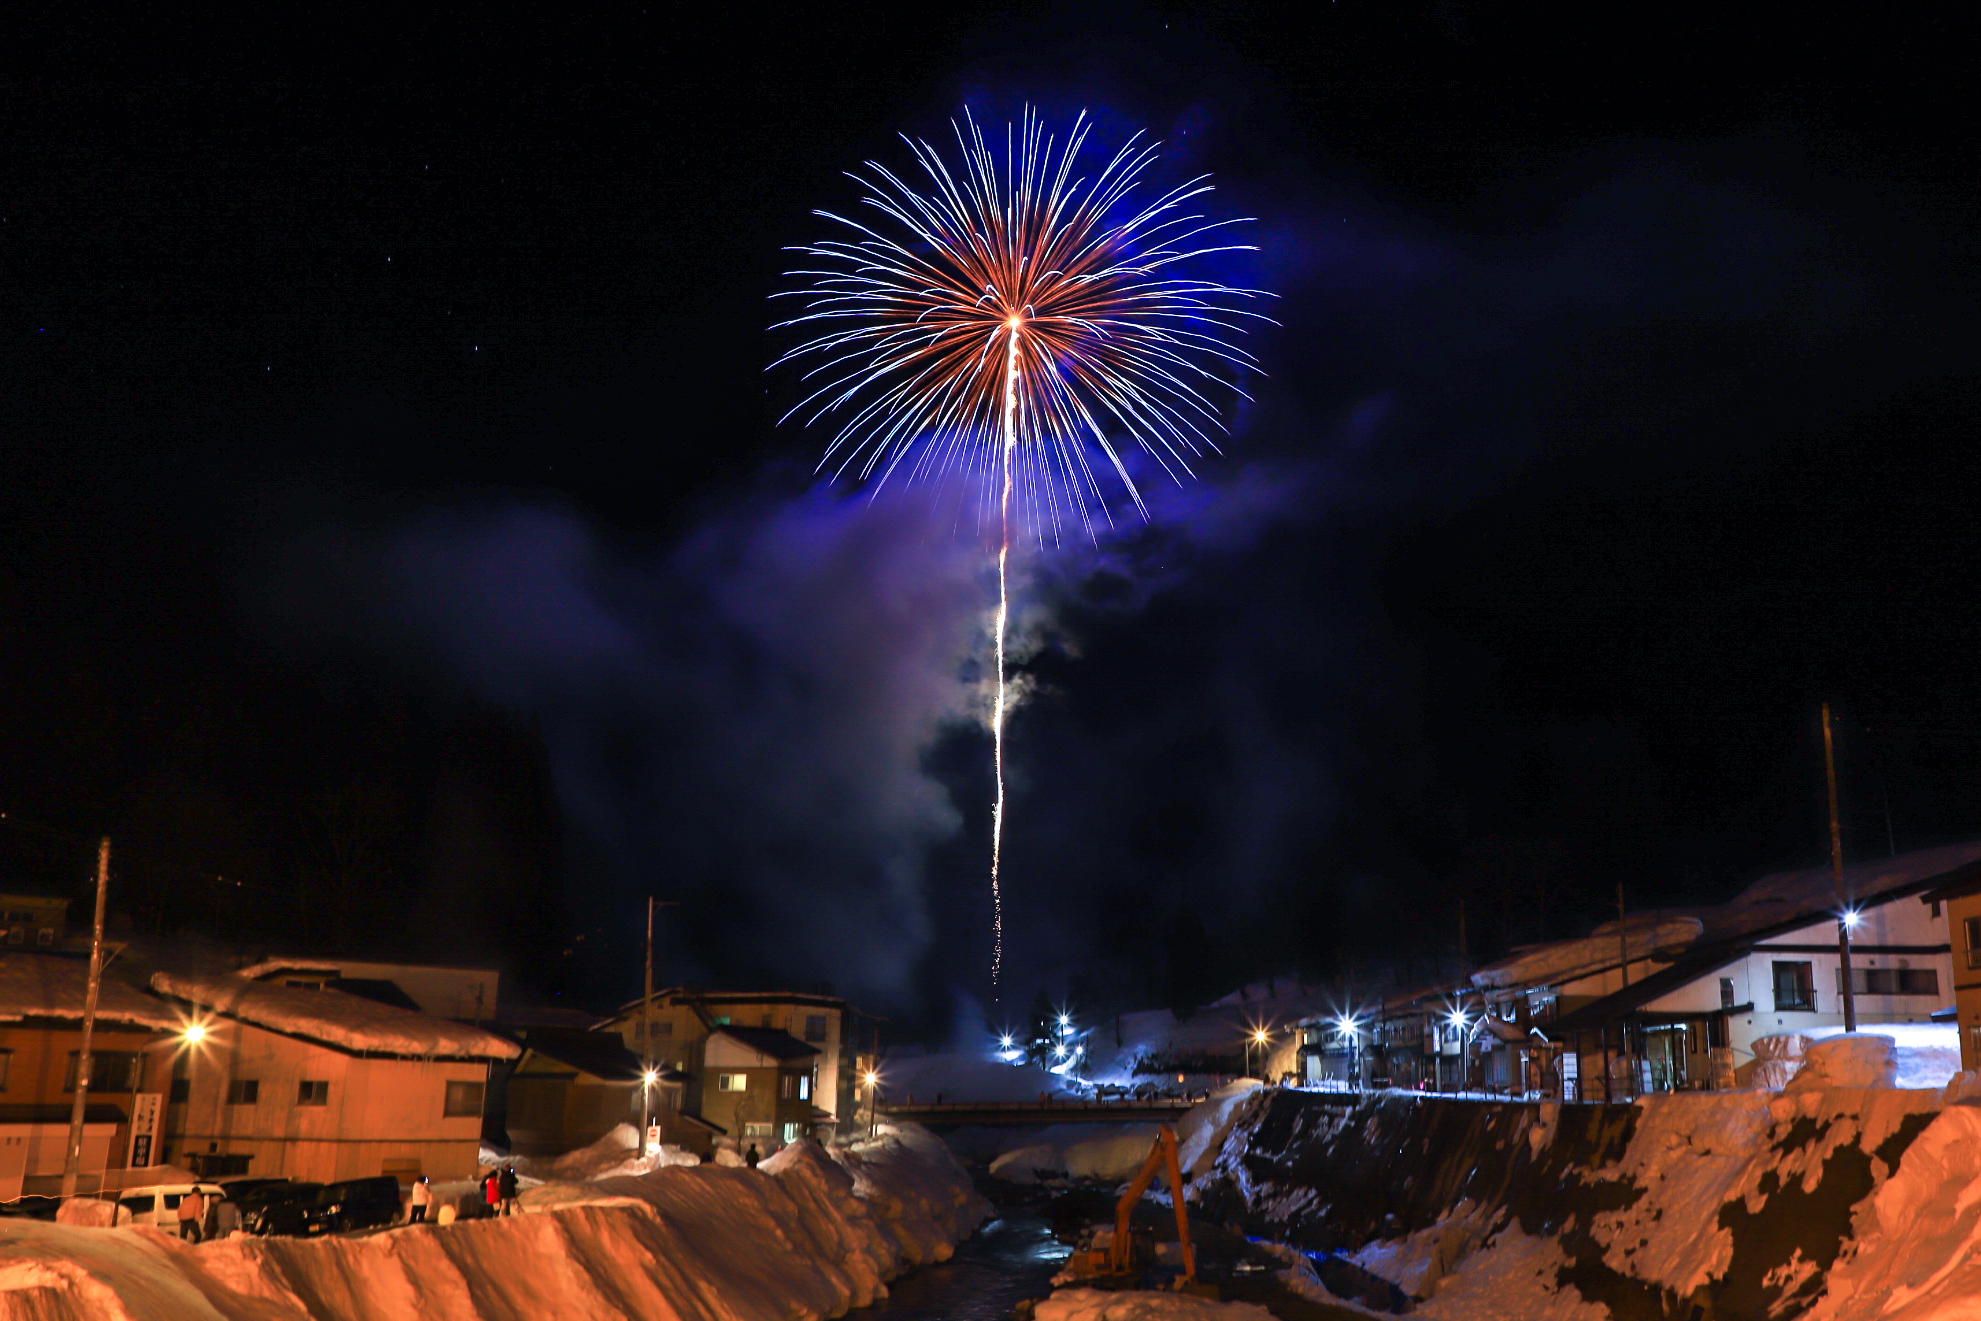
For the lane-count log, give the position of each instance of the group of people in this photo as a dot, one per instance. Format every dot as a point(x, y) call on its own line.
point(499, 1190)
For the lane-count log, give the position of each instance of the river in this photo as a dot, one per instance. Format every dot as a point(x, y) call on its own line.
point(1013, 1257)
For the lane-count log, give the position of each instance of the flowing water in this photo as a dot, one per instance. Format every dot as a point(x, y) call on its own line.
point(1013, 1257)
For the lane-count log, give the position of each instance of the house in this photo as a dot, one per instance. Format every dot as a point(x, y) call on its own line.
point(1764, 964)
point(34, 920)
point(573, 1086)
point(41, 1012)
point(684, 1020)
point(757, 1086)
point(1957, 901)
point(319, 1084)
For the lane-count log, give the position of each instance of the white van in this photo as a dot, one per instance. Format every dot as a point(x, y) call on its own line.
point(158, 1205)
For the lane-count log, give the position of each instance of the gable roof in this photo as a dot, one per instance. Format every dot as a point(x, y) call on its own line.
point(774, 1042)
point(332, 1018)
point(37, 985)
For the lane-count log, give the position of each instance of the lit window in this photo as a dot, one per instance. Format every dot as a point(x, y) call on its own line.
point(732, 1082)
point(805, 1087)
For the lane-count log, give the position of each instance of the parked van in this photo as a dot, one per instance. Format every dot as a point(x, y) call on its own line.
point(158, 1205)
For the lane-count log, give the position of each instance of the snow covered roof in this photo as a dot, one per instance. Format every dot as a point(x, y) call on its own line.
point(53, 986)
point(333, 1018)
point(1564, 959)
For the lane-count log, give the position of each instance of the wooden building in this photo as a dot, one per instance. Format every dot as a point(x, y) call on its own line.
point(318, 1084)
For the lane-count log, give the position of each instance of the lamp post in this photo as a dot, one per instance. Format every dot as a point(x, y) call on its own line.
point(1846, 911)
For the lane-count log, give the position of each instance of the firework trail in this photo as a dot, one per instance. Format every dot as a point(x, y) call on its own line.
point(1013, 323)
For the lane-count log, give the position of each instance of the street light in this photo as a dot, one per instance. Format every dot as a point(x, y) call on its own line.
point(194, 1033)
point(1257, 1040)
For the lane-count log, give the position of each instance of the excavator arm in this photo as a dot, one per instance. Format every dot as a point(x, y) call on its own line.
point(1162, 1159)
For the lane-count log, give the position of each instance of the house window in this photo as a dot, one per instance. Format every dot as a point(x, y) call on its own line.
point(463, 1099)
point(804, 1087)
point(787, 1085)
point(1726, 992)
point(752, 1130)
point(1893, 981)
point(182, 1091)
point(313, 1091)
point(1973, 925)
point(109, 1071)
point(6, 1067)
point(792, 1132)
point(815, 1028)
point(665, 1028)
point(732, 1082)
point(243, 1091)
point(1795, 987)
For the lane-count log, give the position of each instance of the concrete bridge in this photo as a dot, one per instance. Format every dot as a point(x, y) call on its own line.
point(1051, 1110)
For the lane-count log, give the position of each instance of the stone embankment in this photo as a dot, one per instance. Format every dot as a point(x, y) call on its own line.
point(1688, 1207)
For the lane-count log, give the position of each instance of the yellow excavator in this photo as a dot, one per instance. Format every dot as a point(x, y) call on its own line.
point(1116, 1263)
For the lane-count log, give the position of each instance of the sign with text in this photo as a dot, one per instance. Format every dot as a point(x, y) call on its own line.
point(145, 1108)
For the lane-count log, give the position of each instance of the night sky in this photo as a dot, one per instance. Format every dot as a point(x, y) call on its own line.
point(401, 554)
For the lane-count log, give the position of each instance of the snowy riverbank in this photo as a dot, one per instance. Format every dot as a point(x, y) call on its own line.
point(810, 1235)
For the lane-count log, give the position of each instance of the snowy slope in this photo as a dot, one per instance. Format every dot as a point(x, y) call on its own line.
point(805, 1238)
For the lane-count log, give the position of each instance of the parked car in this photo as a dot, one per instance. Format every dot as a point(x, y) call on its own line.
point(357, 1204)
point(283, 1207)
point(158, 1205)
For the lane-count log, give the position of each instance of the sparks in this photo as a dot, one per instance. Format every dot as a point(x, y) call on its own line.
point(1014, 324)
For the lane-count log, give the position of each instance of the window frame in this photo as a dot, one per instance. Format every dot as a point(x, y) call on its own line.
point(1806, 984)
point(313, 1092)
point(244, 1091)
point(451, 1109)
point(733, 1084)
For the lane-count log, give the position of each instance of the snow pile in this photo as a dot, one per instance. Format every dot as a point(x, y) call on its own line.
point(813, 1236)
point(1776, 1059)
point(1029, 1163)
point(1917, 1254)
point(1201, 1132)
point(1132, 1305)
point(334, 1018)
point(1928, 1053)
point(1114, 1152)
point(609, 1157)
point(1849, 1059)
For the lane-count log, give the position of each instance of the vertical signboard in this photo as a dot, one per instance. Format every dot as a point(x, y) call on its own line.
point(145, 1107)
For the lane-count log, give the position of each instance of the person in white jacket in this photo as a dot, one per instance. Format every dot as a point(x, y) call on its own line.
point(422, 1199)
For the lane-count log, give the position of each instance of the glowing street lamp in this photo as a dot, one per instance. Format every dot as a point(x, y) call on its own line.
point(194, 1033)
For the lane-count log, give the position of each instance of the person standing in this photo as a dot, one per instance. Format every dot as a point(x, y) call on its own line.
point(192, 1217)
point(422, 1199)
point(491, 1191)
point(507, 1186)
point(750, 1157)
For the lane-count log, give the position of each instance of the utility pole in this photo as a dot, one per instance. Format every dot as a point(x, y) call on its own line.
point(1622, 938)
point(73, 1162)
point(1846, 913)
point(647, 1067)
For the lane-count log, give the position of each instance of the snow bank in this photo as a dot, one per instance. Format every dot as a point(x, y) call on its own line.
point(1917, 1254)
point(610, 1156)
point(1849, 1059)
point(1139, 1305)
point(807, 1237)
point(1116, 1151)
point(1928, 1053)
point(1203, 1128)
